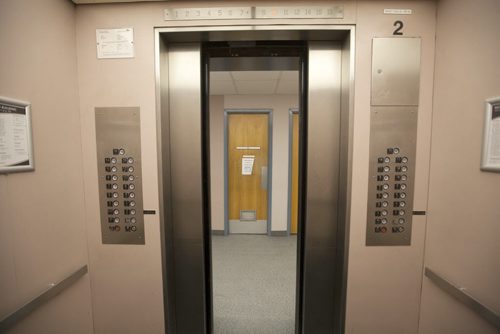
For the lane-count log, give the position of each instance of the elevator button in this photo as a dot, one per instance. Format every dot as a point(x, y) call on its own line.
point(401, 212)
point(113, 160)
point(385, 186)
point(403, 186)
point(396, 150)
point(115, 203)
point(404, 169)
point(404, 160)
point(404, 178)
point(130, 160)
point(131, 177)
point(401, 220)
point(115, 195)
point(132, 203)
point(403, 195)
point(385, 195)
point(387, 160)
point(383, 221)
point(386, 177)
point(131, 169)
point(402, 204)
point(133, 220)
point(132, 212)
point(114, 178)
point(131, 186)
point(387, 169)
point(117, 220)
point(132, 195)
point(385, 204)
point(384, 212)
point(122, 151)
point(116, 212)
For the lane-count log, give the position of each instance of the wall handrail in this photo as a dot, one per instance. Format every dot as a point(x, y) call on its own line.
point(45, 296)
point(461, 295)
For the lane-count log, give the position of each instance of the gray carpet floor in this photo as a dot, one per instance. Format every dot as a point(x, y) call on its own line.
point(254, 284)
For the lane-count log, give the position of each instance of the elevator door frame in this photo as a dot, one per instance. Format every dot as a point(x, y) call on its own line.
point(254, 111)
point(344, 35)
point(291, 112)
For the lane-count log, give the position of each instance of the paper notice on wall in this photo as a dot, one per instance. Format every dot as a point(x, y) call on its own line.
point(14, 149)
point(494, 130)
point(115, 43)
point(247, 164)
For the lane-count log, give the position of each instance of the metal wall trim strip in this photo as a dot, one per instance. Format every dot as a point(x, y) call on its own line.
point(50, 293)
point(461, 295)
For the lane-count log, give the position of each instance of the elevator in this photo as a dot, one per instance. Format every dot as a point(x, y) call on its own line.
point(325, 63)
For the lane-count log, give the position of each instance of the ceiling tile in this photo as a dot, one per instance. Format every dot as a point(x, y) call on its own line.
point(222, 87)
point(255, 75)
point(220, 76)
point(256, 87)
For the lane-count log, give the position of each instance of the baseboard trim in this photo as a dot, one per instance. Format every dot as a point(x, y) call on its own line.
point(218, 232)
point(279, 233)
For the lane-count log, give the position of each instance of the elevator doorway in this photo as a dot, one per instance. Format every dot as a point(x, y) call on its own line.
point(184, 145)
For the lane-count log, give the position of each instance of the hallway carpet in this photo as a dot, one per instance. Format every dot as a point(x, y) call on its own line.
point(254, 284)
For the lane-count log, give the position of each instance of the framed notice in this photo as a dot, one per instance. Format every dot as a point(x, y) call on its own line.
point(491, 143)
point(16, 149)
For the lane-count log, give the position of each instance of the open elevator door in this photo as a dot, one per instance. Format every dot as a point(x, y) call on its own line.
point(184, 169)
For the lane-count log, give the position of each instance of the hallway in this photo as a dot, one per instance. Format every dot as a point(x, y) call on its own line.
point(254, 284)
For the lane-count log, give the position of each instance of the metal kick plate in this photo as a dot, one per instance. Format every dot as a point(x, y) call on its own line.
point(392, 175)
point(395, 71)
point(119, 171)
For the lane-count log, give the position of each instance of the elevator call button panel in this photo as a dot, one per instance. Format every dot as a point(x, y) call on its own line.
point(119, 171)
point(393, 132)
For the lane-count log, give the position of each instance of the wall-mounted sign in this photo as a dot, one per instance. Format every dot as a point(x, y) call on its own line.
point(491, 142)
point(115, 43)
point(259, 12)
point(16, 150)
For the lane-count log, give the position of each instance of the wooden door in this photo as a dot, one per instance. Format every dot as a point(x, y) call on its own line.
point(295, 174)
point(248, 135)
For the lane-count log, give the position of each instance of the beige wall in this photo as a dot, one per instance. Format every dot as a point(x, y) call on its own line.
point(384, 283)
point(42, 217)
point(463, 233)
point(394, 273)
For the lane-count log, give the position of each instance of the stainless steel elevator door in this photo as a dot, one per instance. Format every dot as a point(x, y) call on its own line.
point(184, 94)
point(188, 292)
point(321, 189)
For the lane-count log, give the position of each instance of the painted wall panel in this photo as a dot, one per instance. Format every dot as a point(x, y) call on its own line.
point(42, 217)
point(463, 234)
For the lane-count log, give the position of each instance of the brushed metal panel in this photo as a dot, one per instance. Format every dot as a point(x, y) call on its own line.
point(395, 71)
point(391, 128)
point(184, 75)
point(118, 138)
point(322, 186)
